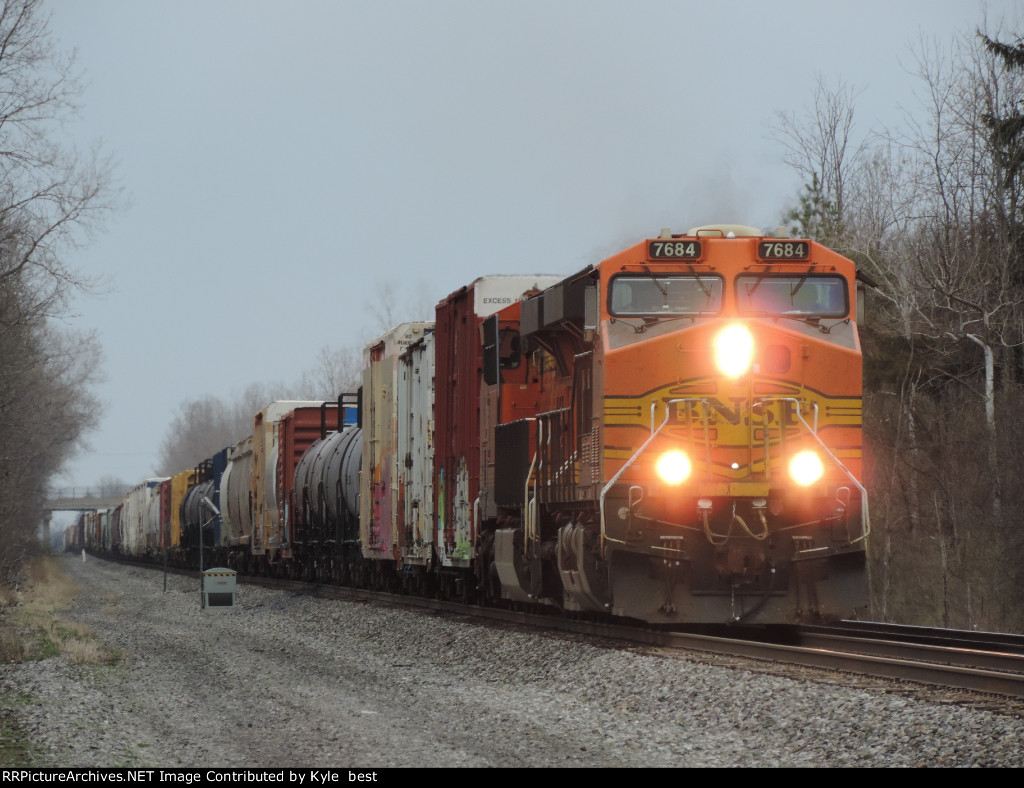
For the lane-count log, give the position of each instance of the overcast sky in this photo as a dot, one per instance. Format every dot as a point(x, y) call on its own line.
point(284, 161)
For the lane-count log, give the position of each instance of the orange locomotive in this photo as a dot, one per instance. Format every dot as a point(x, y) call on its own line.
point(677, 435)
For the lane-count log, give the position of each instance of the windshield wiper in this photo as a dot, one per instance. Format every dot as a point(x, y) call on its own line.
point(811, 321)
point(657, 284)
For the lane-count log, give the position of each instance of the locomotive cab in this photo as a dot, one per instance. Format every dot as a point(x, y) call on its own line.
point(696, 455)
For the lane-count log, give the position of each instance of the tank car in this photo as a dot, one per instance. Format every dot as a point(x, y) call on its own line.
point(236, 506)
point(275, 452)
point(694, 453)
point(297, 432)
point(197, 517)
point(325, 502)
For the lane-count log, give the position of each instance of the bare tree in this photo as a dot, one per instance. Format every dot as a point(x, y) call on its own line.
point(201, 428)
point(933, 214)
point(52, 198)
point(389, 308)
point(110, 486)
point(45, 407)
point(204, 426)
point(336, 372)
point(820, 145)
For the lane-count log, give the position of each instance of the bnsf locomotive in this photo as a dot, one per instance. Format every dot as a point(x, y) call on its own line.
point(672, 435)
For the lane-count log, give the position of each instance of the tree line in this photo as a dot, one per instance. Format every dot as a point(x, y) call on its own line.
point(933, 214)
point(52, 197)
point(205, 425)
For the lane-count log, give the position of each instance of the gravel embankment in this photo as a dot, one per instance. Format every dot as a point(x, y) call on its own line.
point(288, 680)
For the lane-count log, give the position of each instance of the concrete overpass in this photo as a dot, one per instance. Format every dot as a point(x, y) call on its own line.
point(75, 499)
point(81, 503)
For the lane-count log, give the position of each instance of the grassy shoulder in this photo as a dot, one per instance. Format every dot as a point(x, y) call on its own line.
point(16, 747)
point(30, 629)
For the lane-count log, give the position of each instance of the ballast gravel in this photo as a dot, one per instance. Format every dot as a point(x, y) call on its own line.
point(290, 680)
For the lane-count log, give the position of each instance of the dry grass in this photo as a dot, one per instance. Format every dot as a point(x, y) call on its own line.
point(50, 589)
point(10, 644)
point(87, 652)
point(32, 630)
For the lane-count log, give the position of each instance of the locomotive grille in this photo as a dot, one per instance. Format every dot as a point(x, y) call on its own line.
point(590, 455)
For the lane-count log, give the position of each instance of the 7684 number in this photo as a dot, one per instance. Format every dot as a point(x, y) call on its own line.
point(782, 250)
point(674, 250)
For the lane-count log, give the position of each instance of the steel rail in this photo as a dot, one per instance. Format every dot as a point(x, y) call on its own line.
point(977, 670)
point(936, 636)
point(949, 654)
point(980, 670)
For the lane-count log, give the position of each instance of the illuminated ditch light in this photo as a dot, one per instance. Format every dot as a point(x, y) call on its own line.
point(674, 467)
point(806, 468)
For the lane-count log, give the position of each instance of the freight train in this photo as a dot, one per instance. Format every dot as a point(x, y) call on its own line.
point(672, 435)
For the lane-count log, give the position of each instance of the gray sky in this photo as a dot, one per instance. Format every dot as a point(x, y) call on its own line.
point(285, 160)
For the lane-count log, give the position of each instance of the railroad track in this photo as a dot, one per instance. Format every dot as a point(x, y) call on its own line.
point(983, 662)
point(989, 663)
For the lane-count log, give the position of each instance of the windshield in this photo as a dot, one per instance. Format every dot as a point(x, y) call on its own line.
point(665, 295)
point(795, 294)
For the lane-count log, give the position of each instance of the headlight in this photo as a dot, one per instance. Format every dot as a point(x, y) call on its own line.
point(734, 350)
point(805, 468)
point(673, 467)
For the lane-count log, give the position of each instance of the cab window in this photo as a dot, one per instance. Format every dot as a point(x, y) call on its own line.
point(792, 294)
point(674, 294)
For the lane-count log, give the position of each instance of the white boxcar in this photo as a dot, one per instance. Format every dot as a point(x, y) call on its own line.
point(414, 459)
point(140, 519)
point(382, 536)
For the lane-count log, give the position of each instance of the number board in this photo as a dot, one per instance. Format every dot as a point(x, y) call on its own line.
point(673, 250)
point(783, 250)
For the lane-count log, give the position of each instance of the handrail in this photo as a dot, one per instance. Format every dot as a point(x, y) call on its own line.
point(866, 518)
point(528, 525)
point(611, 483)
point(813, 431)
